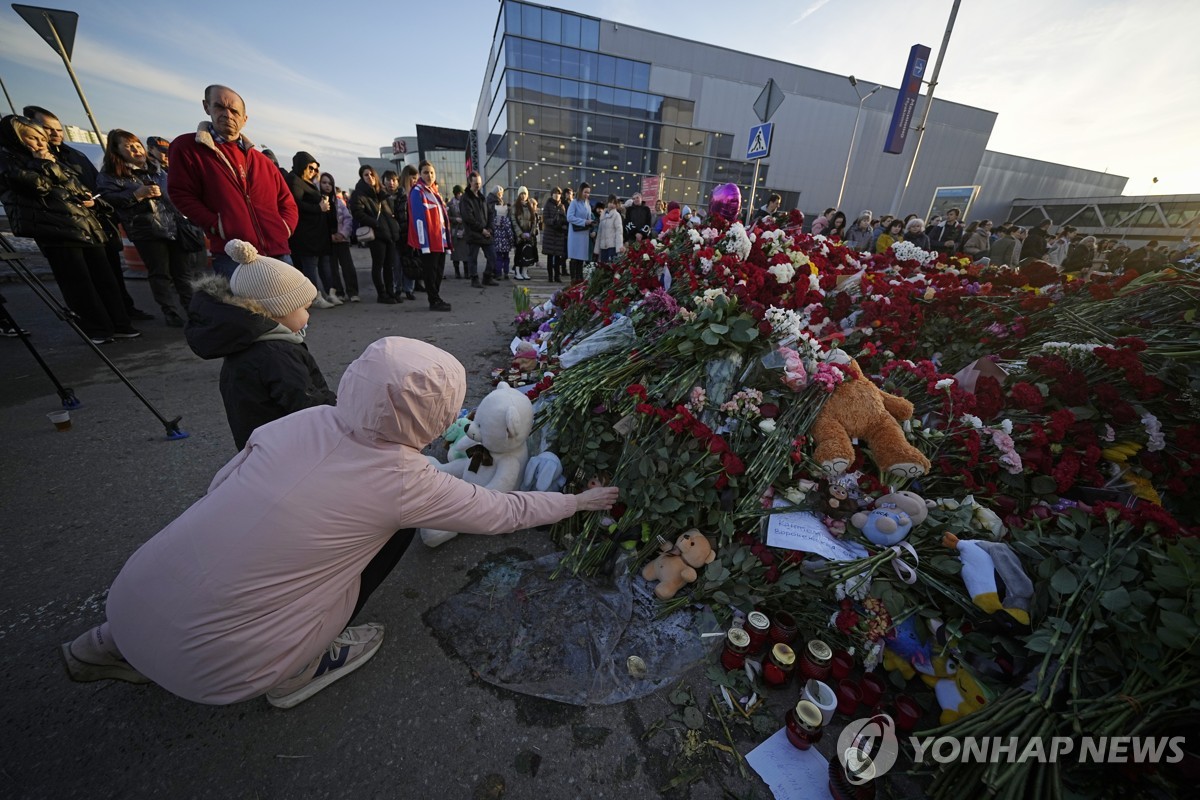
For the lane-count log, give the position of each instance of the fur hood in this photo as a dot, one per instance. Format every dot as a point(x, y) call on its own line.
point(221, 324)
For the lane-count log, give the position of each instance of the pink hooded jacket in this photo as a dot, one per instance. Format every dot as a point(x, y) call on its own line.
point(257, 577)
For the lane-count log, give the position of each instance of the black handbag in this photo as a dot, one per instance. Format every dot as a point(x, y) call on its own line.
point(189, 235)
point(410, 263)
point(527, 254)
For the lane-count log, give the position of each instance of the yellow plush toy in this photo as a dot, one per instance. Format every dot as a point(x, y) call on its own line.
point(678, 566)
point(858, 409)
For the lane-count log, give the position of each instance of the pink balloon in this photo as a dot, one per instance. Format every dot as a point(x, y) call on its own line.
point(726, 201)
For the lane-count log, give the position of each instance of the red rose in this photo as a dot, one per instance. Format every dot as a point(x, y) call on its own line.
point(772, 575)
point(732, 464)
point(717, 445)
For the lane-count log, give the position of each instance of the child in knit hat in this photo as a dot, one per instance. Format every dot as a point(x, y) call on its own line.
point(256, 322)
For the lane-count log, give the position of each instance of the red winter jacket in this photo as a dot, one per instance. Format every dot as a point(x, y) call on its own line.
point(230, 192)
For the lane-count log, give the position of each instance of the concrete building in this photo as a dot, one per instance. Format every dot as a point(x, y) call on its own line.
point(568, 98)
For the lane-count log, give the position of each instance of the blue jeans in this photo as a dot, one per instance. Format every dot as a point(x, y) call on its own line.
point(223, 265)
point(318, 266)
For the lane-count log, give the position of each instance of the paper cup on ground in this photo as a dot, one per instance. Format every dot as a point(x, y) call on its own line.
point(61, 420)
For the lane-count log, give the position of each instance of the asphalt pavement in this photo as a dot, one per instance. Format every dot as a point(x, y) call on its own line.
point(412, 722)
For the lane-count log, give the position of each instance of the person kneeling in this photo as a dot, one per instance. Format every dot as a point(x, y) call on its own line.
point(251, 591)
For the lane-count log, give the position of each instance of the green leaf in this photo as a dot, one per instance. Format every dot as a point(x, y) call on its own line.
point(1174, 639)
point(1091, 546)
point(709, 338)
point(1039, 642)
point(717, 327)
point(1043, 484)
point(1064, 581)
point(1178, 622)
point(1116, 599)
point(1083, 412)
point(722, 598)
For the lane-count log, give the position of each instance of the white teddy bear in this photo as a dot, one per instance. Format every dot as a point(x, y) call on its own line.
point(498, 454)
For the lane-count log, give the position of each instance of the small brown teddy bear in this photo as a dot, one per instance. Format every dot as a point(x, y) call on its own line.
point(678, 565)
point(858, 409)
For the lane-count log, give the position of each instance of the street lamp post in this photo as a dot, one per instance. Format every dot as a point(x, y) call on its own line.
point(861, 99)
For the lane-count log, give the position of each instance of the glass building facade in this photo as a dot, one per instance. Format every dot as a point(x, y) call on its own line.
point(559, 112)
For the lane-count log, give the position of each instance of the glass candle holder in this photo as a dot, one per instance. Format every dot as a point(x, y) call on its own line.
point(783, 628)
point(907, 712)
point(815, 662)
point(777, 669)
point(841, 664)
point(803, 725)
point(737, 641)
point(848, 696)
point(871, 686)
point(759, 627)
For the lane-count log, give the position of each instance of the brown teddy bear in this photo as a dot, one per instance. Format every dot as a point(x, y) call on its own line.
point(677, 566)
point(858, 409)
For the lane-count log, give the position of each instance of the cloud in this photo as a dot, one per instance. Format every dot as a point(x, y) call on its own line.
point(808, 12)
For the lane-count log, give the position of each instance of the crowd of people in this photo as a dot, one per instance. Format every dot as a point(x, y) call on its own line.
point(252, 591)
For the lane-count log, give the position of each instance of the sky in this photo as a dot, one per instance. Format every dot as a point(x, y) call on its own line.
point(1098, 84)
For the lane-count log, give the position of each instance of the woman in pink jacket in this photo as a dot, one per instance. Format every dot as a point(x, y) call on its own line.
point(250, 590)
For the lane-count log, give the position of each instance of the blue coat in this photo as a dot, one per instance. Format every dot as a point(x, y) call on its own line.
point(579, 243)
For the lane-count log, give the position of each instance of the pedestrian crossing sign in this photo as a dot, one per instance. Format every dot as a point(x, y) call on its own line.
point(760, 141)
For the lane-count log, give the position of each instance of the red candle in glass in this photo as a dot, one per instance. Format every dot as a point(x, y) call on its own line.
point(783, 628)
point(734, 655)
point(841, 664)
point(907, 712)
point(803, 724)
point(848, 696)
point(871, 688)
point(778, 666)
point(815, 662)
point(758, 626)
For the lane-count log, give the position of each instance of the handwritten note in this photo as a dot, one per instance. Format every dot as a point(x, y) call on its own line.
point(804, 531)
point(789, 773)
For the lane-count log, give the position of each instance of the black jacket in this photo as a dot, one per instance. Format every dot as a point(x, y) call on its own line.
point(144, 220)
point(261, 380)
point(371, 208)
point(637, 220)
point(1035, 244)
point(44, 199)
point(312, 236)
point(475, 217)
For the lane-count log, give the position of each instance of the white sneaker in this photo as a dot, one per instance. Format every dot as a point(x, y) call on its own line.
point(321, 302)
point(354, 298)
point(333, 297)
point(349, 651)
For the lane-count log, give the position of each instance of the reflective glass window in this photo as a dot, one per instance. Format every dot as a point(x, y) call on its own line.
point(551, 25)
point(623, 99)
point(533, 87)
point(570, 63)
point(570, 30)
point(608, 69)
point(624, 73)
point(516, 52)
point(1146, 218)
point(641, 76)
point(512, 17)
point(551, 59)
point(531, 22)
point(533, 55)
point(1088, 218)
point(588, 66)
point(551, 88)
point(606, 98)
point(590, 34)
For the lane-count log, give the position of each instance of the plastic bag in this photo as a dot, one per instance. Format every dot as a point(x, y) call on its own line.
point(616, 336)
point(570, 639)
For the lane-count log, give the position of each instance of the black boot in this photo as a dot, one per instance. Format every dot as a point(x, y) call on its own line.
point(457, 272)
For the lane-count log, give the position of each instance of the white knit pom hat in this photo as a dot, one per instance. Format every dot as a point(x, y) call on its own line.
point(278, 287)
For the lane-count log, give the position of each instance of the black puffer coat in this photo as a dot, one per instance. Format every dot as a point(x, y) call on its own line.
point(554, 229)
point(44, 199)
point(475, 214)
point(372, 208)
point(148, 219)
point(312, 236)
point(637, 220)
point(261, 380)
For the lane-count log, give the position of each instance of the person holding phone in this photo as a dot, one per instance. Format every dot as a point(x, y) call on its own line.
point(136, 187)
point(46, 202)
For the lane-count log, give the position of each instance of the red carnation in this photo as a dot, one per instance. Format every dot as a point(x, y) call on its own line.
point(732, 464)
point(636, 390)
point(1027, 396)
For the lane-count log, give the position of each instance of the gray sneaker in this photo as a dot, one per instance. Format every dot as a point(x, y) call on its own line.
point(100, 666)
point(349, 651)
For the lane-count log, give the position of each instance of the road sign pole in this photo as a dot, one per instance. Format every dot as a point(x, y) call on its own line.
point(933, 80)
point(6, 97)
point(753, 189)
point(62, 52)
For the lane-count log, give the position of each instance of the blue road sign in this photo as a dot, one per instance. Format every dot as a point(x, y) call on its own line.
point(760, 141)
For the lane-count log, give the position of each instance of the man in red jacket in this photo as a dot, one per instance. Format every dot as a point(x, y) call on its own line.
point(221, 183)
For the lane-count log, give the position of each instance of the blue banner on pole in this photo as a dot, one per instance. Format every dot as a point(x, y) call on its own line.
point(906, 100)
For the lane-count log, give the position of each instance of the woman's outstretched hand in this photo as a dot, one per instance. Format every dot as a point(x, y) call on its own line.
point(600, 499)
